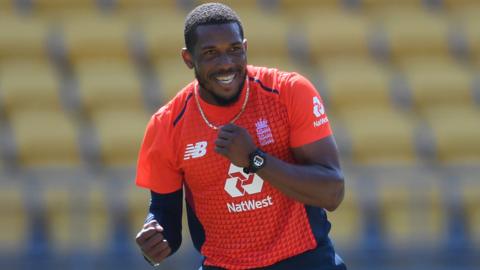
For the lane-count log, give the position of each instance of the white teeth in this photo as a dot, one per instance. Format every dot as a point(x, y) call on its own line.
point(225, 79)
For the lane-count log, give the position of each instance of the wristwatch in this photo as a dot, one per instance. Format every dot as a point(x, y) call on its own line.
point(256, 160)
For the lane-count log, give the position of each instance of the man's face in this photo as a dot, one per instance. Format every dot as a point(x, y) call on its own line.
point(219, 59)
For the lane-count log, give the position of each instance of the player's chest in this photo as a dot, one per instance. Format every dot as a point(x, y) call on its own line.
point(266, 123)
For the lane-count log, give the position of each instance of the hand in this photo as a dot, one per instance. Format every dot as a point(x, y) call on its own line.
point(235, 143)
point(152, 243)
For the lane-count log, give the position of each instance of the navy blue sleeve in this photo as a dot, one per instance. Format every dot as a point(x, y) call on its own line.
point(167, 210)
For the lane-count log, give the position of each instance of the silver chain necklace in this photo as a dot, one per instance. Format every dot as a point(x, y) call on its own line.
point(244, 105)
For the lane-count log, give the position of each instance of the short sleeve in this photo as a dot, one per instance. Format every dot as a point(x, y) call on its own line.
point(156, 168)
point(307, 116)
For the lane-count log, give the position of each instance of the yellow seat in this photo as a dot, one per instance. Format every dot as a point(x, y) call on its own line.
point(14, 225)
point(120, 134)
point(138, 201)
point(23, 38)
point(266, 33)
point(376, 5)
point(469, 21)
point(297, 6)
point(411, 32)
point(438, 82)
point(45, 139)
point(334, 33)
point(29, 85)
point(278, 62)
point(380, 135)
point(347, 221)
point(6, 6)
point(164, 42)
point(354, 83)
point(61, 8)
point(411, 207)
point(173, 75)
point(62, 229)
point(138, 7)
point(90, 37)
point(470, 192)
point(98, 230)
point(458, 4)
point(456, 133)
point(108, 84)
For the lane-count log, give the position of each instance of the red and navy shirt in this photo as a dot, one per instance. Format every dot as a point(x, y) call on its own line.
point(245, 222)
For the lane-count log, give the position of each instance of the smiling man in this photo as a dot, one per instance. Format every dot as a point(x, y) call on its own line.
point(253, 151)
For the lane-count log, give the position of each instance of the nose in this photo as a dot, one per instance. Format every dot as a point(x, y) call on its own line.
point(225, 62)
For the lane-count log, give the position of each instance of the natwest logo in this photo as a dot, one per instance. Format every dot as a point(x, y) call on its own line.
point(240, 183)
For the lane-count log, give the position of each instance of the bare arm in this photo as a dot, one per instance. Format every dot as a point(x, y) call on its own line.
point(317, 180)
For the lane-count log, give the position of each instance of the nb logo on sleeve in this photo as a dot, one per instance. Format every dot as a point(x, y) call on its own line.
point(195, 150)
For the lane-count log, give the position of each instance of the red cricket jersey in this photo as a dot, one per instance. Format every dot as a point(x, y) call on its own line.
point(247, 222)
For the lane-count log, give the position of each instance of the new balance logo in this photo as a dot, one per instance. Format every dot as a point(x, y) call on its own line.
point(195, 150)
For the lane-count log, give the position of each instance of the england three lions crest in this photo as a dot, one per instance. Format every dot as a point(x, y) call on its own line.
point(264, 133)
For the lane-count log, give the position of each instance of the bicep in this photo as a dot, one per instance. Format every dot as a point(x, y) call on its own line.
point(321, 152)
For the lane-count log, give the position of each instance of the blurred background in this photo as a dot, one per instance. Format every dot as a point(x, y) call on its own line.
point(80, 78)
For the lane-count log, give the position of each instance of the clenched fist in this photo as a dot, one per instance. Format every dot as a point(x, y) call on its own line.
point(235, 143)
point(152, 243)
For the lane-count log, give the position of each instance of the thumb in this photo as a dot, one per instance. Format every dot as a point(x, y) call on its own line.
point(154, 223)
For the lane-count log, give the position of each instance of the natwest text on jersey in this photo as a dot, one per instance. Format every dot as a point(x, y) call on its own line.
point(249, 205)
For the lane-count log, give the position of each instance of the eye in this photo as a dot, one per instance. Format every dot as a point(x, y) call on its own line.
point(236, 48)
point(209, 52)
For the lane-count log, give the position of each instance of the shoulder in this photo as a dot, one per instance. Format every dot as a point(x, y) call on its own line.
point(282, 83)
point(171, 113)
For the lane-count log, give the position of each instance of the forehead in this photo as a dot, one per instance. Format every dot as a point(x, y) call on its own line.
point(217, 34)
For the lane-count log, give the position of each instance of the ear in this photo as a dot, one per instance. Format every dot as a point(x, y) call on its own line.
point(187, 58)
point(245, 44)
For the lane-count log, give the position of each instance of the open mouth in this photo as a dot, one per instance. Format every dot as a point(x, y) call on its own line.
point(225, 79)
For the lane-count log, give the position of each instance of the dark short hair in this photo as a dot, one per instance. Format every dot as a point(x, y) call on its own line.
point(208, 14)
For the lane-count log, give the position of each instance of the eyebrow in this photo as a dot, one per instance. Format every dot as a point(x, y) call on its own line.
point(213, 47)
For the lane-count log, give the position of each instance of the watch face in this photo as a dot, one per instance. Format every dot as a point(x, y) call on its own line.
point(258, 161)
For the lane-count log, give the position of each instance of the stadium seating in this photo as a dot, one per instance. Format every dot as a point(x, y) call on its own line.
point(89, 36)
point(23, 37)
point(137, 201)
point(173, 76)
point(98, 231)
point(468, 21)
point(352, 83)
point(332, 34)
point(400, 81)
point(163, 34)
point(413, 32)
point(411, 207)
point(255, 27)
point(456, 130)
point(59, 9)
point(347, 221)
point(434, 82)
point(40, 91)
point(297, 6)
point(278, 62)
point(470, 189)
point(45, 138)
point(108, 84)
point(14, 228)
point(380, 135)
point(144, 5)
point(119, 133)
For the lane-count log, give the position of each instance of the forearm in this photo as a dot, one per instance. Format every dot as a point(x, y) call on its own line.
point(167, 210)
point(316, 185)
